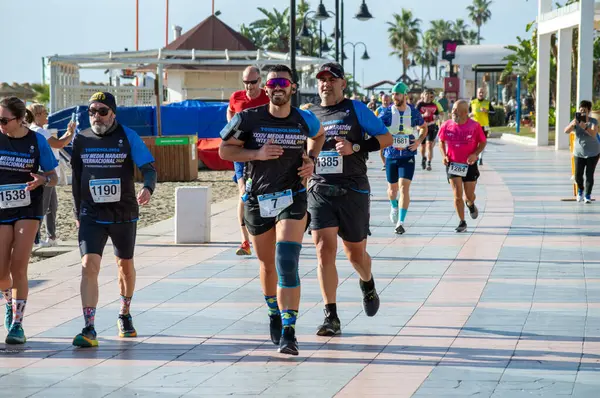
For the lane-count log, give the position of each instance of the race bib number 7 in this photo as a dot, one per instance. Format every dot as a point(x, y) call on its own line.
point(459, 169)
point(106, 190)
point(14, 195)
point(274, 203)
point(330, 162)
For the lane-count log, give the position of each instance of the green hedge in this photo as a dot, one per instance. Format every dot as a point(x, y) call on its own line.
point(497, 118)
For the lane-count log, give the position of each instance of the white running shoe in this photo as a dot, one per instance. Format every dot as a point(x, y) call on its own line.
point(49, 243)
point(580, 198)
point(394, 215)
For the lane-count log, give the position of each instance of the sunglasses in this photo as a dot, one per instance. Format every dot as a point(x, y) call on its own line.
point(4, 121)
point(278, 81)
point(101, 111)
point(250, 81)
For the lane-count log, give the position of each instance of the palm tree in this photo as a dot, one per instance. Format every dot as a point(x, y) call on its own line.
point(42, 93)
point(439, 31)
point(479, 13)
point(460, 30)
point(472, 37)
point(404, 33)
point(273, 30)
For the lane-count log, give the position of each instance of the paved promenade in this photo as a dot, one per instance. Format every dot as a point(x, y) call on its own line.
point(510, 309)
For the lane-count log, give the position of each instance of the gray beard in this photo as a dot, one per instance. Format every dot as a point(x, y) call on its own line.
point(100, 129)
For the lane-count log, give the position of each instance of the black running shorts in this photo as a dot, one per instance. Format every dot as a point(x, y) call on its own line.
point(93, 237)
point(350, 212)
point(472, 174)
point(432, 132)
point(258, 225)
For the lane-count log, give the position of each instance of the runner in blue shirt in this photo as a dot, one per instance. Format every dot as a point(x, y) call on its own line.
point(402, 119)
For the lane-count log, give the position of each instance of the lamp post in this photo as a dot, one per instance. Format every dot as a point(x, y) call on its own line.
point(365, 56)
point(322, 14)
point(293, 48)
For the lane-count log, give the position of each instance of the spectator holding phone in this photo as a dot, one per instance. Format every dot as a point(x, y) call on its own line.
point(586, 149)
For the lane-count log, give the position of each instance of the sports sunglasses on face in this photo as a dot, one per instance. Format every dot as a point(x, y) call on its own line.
point(250, 81)
point(278, 81)
point(4, 121)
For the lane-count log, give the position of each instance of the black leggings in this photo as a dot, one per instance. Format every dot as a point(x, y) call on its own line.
point(587, 165)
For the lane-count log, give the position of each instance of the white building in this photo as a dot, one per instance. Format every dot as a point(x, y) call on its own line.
point(562, 21)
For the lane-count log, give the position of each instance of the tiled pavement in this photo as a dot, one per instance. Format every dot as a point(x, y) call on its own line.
point(509, 309)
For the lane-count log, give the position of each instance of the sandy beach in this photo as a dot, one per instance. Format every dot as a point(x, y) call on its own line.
point(161, 207)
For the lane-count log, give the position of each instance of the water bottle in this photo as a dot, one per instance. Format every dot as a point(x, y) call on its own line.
point(248, 189)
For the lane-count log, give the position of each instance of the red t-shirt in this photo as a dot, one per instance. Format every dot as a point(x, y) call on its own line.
point(461, 139)
point(428, 110)
point(239, 101)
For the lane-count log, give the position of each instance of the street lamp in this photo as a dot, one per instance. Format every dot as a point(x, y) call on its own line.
point(363, 14)
point(365, 56)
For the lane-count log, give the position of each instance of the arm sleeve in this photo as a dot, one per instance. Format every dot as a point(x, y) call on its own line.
point(76, 178)
point(235, 128)
point(368, 121)
point(47, 160)
point(149, 174)
point(139, 151)
point(311, 120)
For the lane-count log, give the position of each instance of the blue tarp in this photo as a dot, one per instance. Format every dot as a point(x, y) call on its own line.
point(205, 119)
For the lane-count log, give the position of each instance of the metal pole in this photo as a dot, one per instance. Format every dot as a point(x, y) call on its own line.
point(337, 31)
point(342, 34)
point(167, 25)
point(518, 112)
point(353, 66)
point(159, 98)
point(320, 39)
point(293, 48)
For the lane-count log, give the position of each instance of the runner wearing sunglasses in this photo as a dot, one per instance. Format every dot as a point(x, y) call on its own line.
point(271, 139)
point(339, 191)
point(26, 166)
point(252, 96)
point(106, 206)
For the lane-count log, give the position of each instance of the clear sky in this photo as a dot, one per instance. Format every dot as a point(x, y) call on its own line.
point(36, 28)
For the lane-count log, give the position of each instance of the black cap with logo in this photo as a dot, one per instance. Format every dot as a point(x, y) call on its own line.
point(104, 98)
point(332, 67)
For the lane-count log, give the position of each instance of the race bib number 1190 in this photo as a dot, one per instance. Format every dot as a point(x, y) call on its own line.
point(106, 190)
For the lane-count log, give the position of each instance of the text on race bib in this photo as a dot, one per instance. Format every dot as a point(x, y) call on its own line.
point(14, 195)
point(272, 204)
point(330, 162)
point(458, 169)
point(401, 141)
point(106, 190)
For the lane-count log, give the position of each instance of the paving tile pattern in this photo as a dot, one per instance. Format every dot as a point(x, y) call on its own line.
point(509, 309)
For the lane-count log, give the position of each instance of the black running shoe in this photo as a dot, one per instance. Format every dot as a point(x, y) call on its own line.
point(428, 166)
point(462, 227)
point(331, 326)
point(125, 326)
point(424, 164)
point(275, 328)
point(473, 211)
point(480, 161)
point(400, 229)
point(370, 302)
point(288, 344)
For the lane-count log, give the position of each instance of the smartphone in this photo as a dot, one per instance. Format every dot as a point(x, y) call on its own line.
point(73, 117)
point(580, 117)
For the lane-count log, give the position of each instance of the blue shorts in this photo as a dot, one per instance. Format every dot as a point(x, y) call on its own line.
point(238, 168)
point(399, 168)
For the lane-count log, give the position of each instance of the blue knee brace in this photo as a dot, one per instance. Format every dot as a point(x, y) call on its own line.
point(287, 257)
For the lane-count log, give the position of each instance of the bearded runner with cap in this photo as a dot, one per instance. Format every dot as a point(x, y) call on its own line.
point(271, 139)
point(106, 205)
point(338, 199)
point(402, 119)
